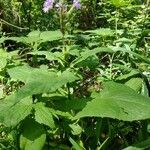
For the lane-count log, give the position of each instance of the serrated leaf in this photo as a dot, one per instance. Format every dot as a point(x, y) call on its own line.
point(117, 101)
point(33, 136)
point(12, 113)
point(43, 115)
point(38, 81)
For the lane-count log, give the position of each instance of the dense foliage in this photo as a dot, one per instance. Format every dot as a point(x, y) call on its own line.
point(75, 75)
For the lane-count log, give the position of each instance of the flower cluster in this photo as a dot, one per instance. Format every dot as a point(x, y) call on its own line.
point(76, 4)
point(48, 4)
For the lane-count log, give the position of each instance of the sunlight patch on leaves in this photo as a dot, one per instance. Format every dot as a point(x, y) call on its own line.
point(117, 101)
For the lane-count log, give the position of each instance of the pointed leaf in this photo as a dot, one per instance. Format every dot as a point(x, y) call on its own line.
point(119, 102)
point(12, 113)
point(43, 115)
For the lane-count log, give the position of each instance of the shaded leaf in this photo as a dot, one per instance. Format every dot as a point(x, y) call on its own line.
point(33, 136)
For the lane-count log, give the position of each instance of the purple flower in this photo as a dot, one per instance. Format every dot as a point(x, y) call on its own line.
point(48, 4)
point(76, 4)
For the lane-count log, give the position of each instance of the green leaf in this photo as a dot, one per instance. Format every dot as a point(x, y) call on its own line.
point(76, 129)
point(27, 74)
point(1, 90)
point(132, 148)
point(76, 146)
point(34, 34)
point(37, 37)
point(3, 58)
point(102, 32)
point(117, 101)
point(50, 35)
point(121, 3)
point(127, 50)
point(135, 84)
point(129, 75)
point(12, 113)
point(33, 136)
point(143, 144)
point(88, 53)
point(43, 115)
point(38, 81)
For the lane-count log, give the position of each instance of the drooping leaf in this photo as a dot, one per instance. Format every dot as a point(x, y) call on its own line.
point(89, 53)
point(125, 50)
point(119, 102)
point(33, 135)
point(43, 115)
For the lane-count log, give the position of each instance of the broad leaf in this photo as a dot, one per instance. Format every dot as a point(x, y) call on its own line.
point(33, 136)
point(117, 101)
point(12, 113)
point(38, 81)
point(50, 35)
point(135, 84)
point(43, 115)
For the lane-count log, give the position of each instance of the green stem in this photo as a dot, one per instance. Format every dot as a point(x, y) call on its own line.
point(111, 65)
point(116, 22)
point(98, 128)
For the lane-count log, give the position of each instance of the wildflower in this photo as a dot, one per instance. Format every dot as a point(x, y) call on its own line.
point(48, 4)
point(76, 4)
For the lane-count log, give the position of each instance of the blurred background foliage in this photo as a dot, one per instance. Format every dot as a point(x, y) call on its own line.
point(129, 14)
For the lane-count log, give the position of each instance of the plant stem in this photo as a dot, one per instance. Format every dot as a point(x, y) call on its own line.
point(116, 22)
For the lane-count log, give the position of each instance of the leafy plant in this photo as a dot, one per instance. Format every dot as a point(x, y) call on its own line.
point(72, 89)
